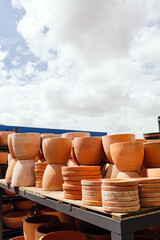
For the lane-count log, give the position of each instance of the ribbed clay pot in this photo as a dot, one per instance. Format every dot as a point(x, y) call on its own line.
point(67, 235)
point(23, 204)
point(32, 223)
point(10, 169)
point(128, 175)
point(56, 150)
point(127, 156)
point(10, 146)
point(152, 155)
point(4, 137)
point(26, 145)
point(88, 150)
point(73, 135)
point(52, 178)
point(14, 219)
point(23, 173)
point(109, 139)
point(6, 206)
point(52, 227)
point(3, 157)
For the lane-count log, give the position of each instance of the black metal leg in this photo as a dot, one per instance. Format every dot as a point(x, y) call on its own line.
point(1, 214)
point(128, 236)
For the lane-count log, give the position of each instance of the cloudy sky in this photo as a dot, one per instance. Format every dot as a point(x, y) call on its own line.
point(80, 64)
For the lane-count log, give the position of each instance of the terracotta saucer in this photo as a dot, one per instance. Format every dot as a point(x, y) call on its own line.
point(118, 188)
point(73, 192)
point(81, 168)
point(81, 173)
point(122, 209)
point(91, 182)
point(121, 199)
point(121, 204)
point(149, 185)
point(146, 195)
point(119, 193)
point(92, 188)
point(39, 171)
point(77, 183)
point(95, 193)
point(92, 198)
point(92, 203)
point(119, 182)
point(147, 180)
point(150, 204)
point(73, 197)
point(150, 199)
point(71, 187)
point(149, 190)
point(73, 178)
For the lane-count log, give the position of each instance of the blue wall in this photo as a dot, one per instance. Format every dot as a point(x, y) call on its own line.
point(45, 130)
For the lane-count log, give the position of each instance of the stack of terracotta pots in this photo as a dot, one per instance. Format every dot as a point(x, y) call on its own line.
point(26, 147)
point(72, 177)
point(149, 192)
point(120, 195)
point(91, 192)
point(56, 151)
point(39, 171)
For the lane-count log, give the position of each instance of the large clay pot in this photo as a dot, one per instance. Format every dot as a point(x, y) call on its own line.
point(128, 175)
point(32, 223)
point(6, 206)
point(10, 169)
point(88, 150)
point(23, 173)
point(109, 139)
point(26, 145)
point(152, 154)
point(141, 140)
point(14, 219)
point(23, 204)
point(127, 156)
point(52, 178)
point(68, 235)
point(73, 135)
point(52, 227)
point(3, 157)
point(10, 146)
point(56, 150)
point(4, 137)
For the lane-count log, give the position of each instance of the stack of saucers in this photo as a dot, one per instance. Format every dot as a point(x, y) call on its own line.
point(72, 177)
point(149, 192)
point(91, 192)
point(39, 171)
point(120, 195)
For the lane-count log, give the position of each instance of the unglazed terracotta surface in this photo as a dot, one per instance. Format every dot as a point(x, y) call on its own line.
point(128, 175)
point(14, 219)
point(23, 204)
point(10, 146)
point(10, 169)
point(3, 157)
point(73, 135)
point(69, 235)
point(4, 137)
point(152, 155)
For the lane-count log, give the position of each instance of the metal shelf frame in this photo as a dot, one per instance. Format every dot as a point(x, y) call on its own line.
point(120, 230)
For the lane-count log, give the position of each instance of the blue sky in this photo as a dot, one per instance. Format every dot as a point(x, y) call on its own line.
point(94, 68)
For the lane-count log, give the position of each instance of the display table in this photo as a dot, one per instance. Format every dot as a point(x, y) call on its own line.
point(121, 226)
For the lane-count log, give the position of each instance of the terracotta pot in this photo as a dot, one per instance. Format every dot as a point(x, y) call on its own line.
point(141, 140)
point(23, 173)
point(47, 135)
point(71, 163)
point(48, 211)
point(121, 209)
point(152, 154)
point(88, 150)
point(116, 138)
point(128, 175)
point(57, 150)
point(32, 223)
point(119, 193)
point(23, 204)
point(9, 158)
point(4, 137)
point(10, 169)
point(127, 156)
point(66, 218)
point(52, 178)
point(26, 145)
point(73, 135)
point(10, 146)
point(69, 235)
point(111, 171)
point(14, 219)
point(3, 157)
point(151, 172)
point(6, 206)
point(92, 202)
point(18, 238)
point(52, 227)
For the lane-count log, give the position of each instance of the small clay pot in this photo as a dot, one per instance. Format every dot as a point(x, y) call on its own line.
point(32, 223)
point(26, 145)
point(116, 138)
point(152, 155)
point(14, 219)
point(69, 235)
point(4, 137)
point(57, 150)
point(48, 211)
point(10, 146)
point(128, 175)
point(6, 206)
point(88, 150)
point(127, 156)
point(23, 173)
point(10, 169)
point(3, 157)
point(23, 204)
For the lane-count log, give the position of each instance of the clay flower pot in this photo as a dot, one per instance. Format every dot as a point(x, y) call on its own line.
point(152, 154)
point(4, 137)
point(73, 135)
point(127, 156)
point(52, 178)
point(6, 206)
point(3, 157)
point(23, 173)
point(23, 204)
point(26, 145)
point(128, 175)
point(14, 219)
point(10, 146)
point(32, 223)
point(88, 150)
point(69, 235)
point(111, 171)
point(57, 150)
point(52, 227)
point(141, 140)
point(109, 139)
point(10, 169)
